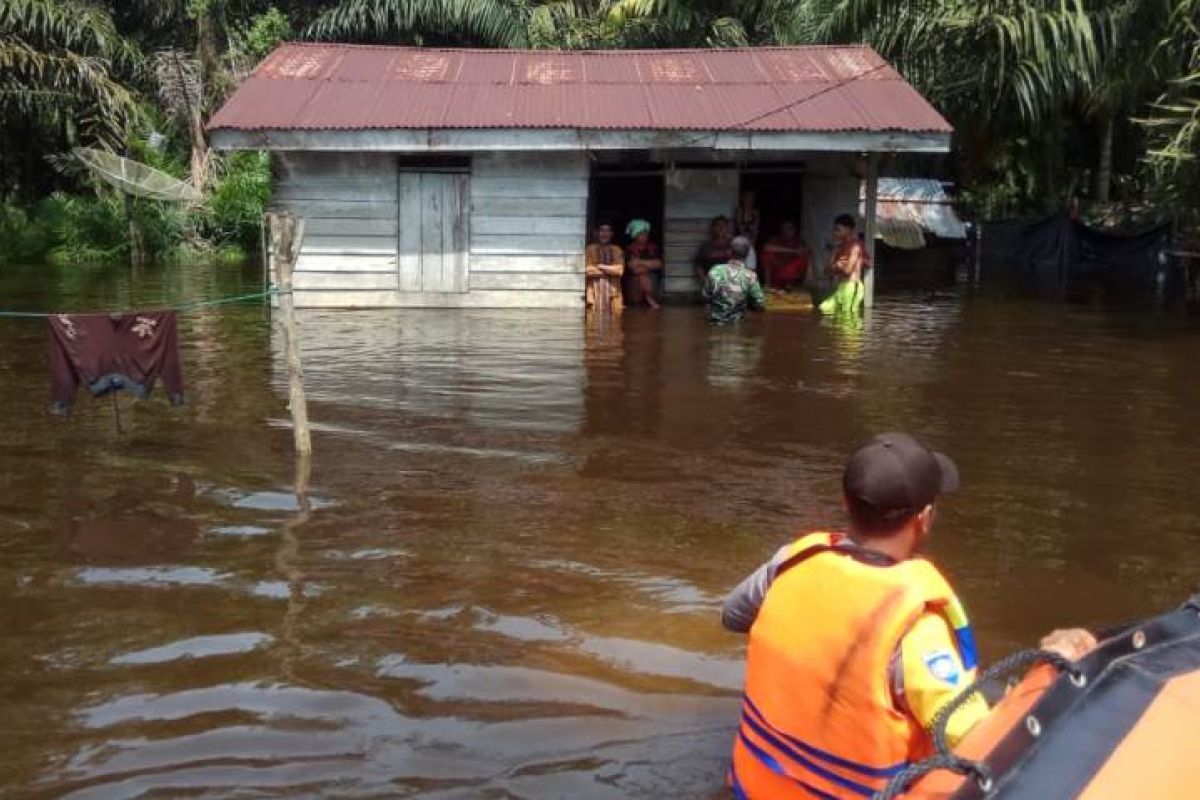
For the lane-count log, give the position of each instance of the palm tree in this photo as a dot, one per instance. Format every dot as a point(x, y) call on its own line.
point(181, 91)
point(1014, 59)
point(58, 65)
point(1174, 122)
point(1139, 44)
point(1007, 73)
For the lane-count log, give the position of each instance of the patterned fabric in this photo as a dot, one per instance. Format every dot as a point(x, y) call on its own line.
point(731, 290)
point(603, 292)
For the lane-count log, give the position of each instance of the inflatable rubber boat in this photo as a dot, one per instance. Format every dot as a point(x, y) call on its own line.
point(1124, 722)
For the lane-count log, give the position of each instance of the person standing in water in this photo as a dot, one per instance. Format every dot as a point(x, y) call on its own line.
point(855, 641)
point(846, 267)
point(732, 289)
point(604, 263)
point(643, 261)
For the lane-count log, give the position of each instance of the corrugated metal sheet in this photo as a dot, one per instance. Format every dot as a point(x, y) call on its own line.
point(908, 208)
point(800, 89)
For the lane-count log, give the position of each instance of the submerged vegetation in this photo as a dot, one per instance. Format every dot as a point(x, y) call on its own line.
point(1054, 101)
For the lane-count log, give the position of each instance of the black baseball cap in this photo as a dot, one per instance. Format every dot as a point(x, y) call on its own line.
point(894, 476)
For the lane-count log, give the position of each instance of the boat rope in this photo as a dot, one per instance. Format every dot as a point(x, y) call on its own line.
point(181, 308)
point(901, 781)
point(944, 758)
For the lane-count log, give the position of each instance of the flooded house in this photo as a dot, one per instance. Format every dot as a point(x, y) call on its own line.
point(471, 178)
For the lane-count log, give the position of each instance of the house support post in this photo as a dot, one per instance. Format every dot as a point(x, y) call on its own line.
point(869, 212)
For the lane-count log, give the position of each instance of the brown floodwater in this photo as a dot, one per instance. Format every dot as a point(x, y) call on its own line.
point(506, 579)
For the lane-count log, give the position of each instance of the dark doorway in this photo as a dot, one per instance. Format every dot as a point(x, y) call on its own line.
point(617, 196)
point(778, 194)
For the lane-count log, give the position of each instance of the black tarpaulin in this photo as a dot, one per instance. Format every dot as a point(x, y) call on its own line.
point(1058, 254)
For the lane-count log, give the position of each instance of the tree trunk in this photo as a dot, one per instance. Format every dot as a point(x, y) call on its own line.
point(137, 245)
point(199, 160)
point(1104, 169)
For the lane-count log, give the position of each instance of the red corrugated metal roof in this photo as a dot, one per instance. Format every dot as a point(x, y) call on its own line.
point(801, 89)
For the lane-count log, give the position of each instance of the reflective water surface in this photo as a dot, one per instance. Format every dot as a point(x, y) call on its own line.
point(504, 578)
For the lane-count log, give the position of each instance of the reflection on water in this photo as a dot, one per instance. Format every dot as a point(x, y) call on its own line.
point(196, 647)
point(149, 576)
point(504, 579)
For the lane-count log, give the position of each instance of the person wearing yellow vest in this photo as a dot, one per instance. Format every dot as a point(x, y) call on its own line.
point(855, 642)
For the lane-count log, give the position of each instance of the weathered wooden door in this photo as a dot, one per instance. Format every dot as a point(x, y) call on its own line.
point(434, 208)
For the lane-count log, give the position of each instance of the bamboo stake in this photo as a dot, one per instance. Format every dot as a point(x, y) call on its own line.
point(287, 233)
point(287, 562)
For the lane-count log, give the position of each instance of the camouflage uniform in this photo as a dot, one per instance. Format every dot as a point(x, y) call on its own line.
point(731, 290)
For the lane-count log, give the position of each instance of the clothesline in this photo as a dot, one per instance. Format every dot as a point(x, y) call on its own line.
point(192, 306)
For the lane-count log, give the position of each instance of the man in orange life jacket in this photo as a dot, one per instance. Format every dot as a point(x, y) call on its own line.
point(855, 642)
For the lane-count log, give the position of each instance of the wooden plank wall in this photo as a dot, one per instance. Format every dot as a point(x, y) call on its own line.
point(348, 201)
point(693, 198)
point(528, 226)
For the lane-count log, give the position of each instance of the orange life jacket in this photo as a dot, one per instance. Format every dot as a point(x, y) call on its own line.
point(818, 715)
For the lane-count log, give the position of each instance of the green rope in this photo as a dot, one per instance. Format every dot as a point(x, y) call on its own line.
point(224, 300)
point(193, 306)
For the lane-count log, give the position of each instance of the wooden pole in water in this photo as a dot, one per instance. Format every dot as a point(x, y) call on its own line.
point(287, 233)
point(872, 203)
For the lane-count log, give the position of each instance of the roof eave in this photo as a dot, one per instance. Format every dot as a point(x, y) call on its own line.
point(418, 140)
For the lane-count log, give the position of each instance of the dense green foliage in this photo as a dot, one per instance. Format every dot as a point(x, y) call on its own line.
point(1053, 100)
point(93, 228)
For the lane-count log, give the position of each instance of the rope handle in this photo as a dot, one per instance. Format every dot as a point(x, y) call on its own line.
point(1022, 660)
point(944, 758)
point(901, 782)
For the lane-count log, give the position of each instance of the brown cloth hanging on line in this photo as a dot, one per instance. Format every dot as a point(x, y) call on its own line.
point(111, 352)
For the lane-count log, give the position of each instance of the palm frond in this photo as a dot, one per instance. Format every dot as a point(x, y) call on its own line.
point(179, 86)
point(56, 68)
point(81, 27)
point(36, 82)
point(483, 22)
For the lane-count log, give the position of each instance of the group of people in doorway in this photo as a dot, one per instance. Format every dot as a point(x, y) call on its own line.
point(618, 276)
point(729, 267)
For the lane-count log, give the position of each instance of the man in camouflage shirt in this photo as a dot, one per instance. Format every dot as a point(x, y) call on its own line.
point(733, 288)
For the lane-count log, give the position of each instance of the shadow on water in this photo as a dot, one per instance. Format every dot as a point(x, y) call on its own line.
point(503, 576)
